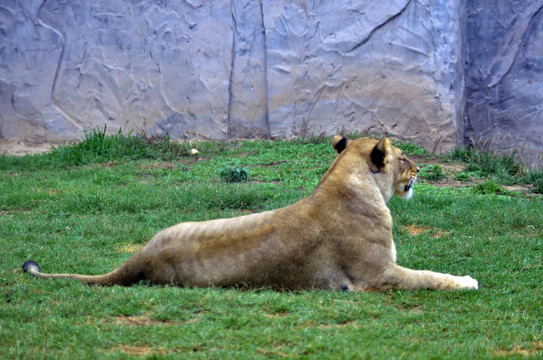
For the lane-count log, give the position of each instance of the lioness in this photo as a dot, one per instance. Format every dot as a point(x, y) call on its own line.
point(340, 237)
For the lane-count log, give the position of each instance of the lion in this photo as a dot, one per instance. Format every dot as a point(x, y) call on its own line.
point(339, 237)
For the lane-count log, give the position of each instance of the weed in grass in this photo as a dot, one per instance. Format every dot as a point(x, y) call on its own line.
point(489, 187)
point(432, 172)
point(234, 174)
point(462, 176)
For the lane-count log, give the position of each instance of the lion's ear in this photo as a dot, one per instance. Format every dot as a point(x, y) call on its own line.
point(339, 143)
point(378, 155)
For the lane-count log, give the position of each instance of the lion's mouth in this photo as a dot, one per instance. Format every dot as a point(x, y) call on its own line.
point(410, 184)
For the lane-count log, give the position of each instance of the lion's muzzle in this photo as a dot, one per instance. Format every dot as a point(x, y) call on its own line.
point(410, 183)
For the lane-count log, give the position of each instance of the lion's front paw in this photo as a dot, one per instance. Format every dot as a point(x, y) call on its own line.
point(467, 282)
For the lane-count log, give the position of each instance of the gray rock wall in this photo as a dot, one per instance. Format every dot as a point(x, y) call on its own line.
point(363, 66)
point(249, 68)
point(504, 82)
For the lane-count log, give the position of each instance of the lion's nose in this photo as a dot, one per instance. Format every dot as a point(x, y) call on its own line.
point(418, 168)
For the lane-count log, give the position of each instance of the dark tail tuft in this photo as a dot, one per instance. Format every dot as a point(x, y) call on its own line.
point(31, 267)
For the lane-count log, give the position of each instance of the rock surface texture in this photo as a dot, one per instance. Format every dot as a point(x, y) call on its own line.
point(504, 77)
point(221, 69)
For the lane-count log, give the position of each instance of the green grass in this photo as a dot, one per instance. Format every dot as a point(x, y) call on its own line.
point(502, 168)
point(99, 147)
point(91, 214)
point(232, 174)
point(433, 173)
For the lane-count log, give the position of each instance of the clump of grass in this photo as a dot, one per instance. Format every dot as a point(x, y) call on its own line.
point(489, 187)
point(488, 164)
point(410, 148)
point(501, 168)
point(535, 178)
point(463, 176)
point(99, 147)
point(234, 174)
point(433, 173)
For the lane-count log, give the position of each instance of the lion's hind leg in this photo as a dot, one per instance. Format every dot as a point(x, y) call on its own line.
point(403, 278)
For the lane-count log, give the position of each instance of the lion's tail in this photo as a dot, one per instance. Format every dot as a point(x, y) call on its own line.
point(124, 275)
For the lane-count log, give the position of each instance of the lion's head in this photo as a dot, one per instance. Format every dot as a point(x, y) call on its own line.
point(392, 171)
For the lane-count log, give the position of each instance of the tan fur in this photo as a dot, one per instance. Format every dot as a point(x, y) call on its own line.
point(340, 237)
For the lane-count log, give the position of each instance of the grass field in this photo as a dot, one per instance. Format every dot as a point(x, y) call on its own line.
point(86, 208)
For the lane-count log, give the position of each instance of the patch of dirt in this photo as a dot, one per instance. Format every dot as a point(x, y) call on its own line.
point(518, 188)
point(168, 165)
point(146, 320)
point(414, 230)
point(451, 169)
point(351, 324)
point(141, 350)
point(276, 315)
point(531, 350)
point(274, 163)
point(140, 321)
point(22, 147)
point(274, 353)
point(440, 233)
point(129, 248)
